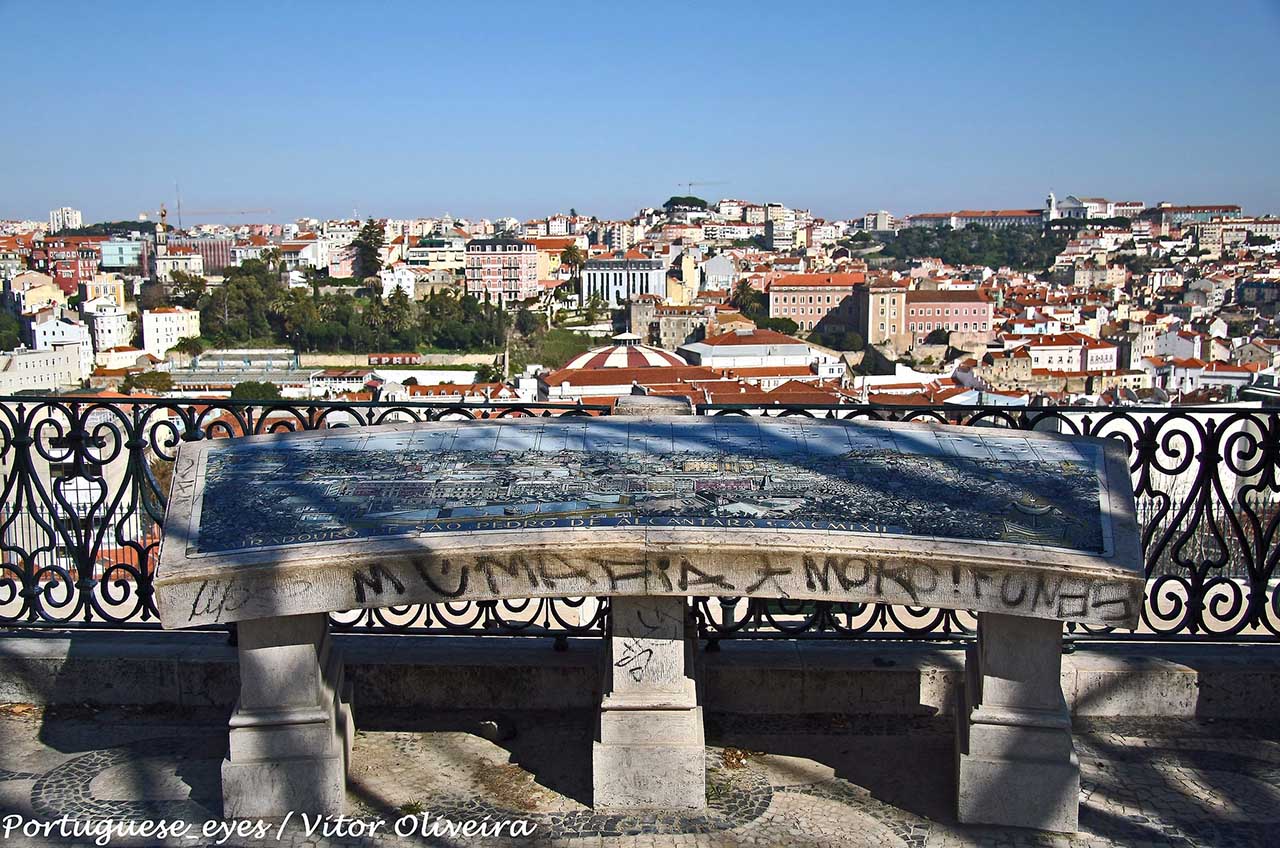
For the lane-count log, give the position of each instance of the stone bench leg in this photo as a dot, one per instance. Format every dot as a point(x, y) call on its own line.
point(649, 742)
point(1015, 762)
point(291, 730)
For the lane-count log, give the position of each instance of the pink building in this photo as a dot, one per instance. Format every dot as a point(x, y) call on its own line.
point(503, 271)
point(342, 262)
point(954, 311)
point(808, 298)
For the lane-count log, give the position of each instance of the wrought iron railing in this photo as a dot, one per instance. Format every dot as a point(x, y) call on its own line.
point(85, 479)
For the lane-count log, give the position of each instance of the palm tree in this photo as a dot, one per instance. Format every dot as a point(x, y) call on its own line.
point(574, 258)
point(271, 256)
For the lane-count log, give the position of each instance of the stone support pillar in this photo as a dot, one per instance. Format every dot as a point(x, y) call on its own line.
point(648, 751)
point(1015, 761)
point(291, 730)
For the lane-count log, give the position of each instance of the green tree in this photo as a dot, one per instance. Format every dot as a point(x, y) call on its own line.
point(153, 296)
point(487, 374)
point(10, 330)
point(527, 323)
point(779, 325)
point(271, 258)
point(686, 201)
point(191, 346)
point(147, 381)
point(573, 257)
point(401, 315)
point(187, 289)
point(242, 309)
point(368, 244)
point(255, 390)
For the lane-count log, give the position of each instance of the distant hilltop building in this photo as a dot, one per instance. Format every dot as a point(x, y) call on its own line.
point(994, 218)
point(1091, 207)
point(65, 218)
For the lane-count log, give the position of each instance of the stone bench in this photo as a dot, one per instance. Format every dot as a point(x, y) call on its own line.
point(1026, 529)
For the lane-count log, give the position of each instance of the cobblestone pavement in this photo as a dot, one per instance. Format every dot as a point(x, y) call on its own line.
point(772, 780)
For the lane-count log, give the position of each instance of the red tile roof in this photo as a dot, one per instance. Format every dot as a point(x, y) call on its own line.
point(754, 337)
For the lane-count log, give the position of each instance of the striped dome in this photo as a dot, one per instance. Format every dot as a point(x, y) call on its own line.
point(627, 352)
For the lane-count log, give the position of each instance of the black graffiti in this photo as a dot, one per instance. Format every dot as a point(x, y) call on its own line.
point(445, 566)
point(1124, 602)
point(215, 598)
point(639, 571)
point(853, 577)
point(660, 617)
point(768, 573)
point(635, 658)
point(373, 580)
point(567, 572)
point(837, 565)
point(702, 578)
point(1013, 581)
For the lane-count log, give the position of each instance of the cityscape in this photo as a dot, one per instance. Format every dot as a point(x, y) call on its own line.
point(1082, 300)
point(664, 425)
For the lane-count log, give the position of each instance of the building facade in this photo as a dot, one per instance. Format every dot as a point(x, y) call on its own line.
point(164, 327)
point(34, 370)
point(617, 281)
point(502, 270)
point(65, 218)
point(808, 299)
point(952, 311)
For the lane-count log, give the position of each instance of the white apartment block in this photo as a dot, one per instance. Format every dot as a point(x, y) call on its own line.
point(339, 234)
point(40, 370)
point(164, 327)
point(57, 332)
point(109, 324)
point(178, 259)
point(879, 220)
point(65, 218)
point(438, 253)
point(397, 277)
point(731, 210)
point(1220, 232)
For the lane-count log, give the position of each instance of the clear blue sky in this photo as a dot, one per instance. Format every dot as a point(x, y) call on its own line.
point(527, 109)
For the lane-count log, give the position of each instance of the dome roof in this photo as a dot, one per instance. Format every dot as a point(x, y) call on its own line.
point(626, 352)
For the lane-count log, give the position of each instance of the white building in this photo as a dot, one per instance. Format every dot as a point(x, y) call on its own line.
point(164, 327)
point(177, 258)
point(339, 234)
point(447, 253)
point(109, 324)
point(125, 356)
point(617, 281)
point(38, 370)
point(780, 226)
point(55, 332)
point(65, 218)
point(880, 220)
point(397, 277)
point(730, 210)
point(756, 349)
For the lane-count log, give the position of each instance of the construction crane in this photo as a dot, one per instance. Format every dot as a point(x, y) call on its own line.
point(228, 211)
point(688, 187)
point(142, 216)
